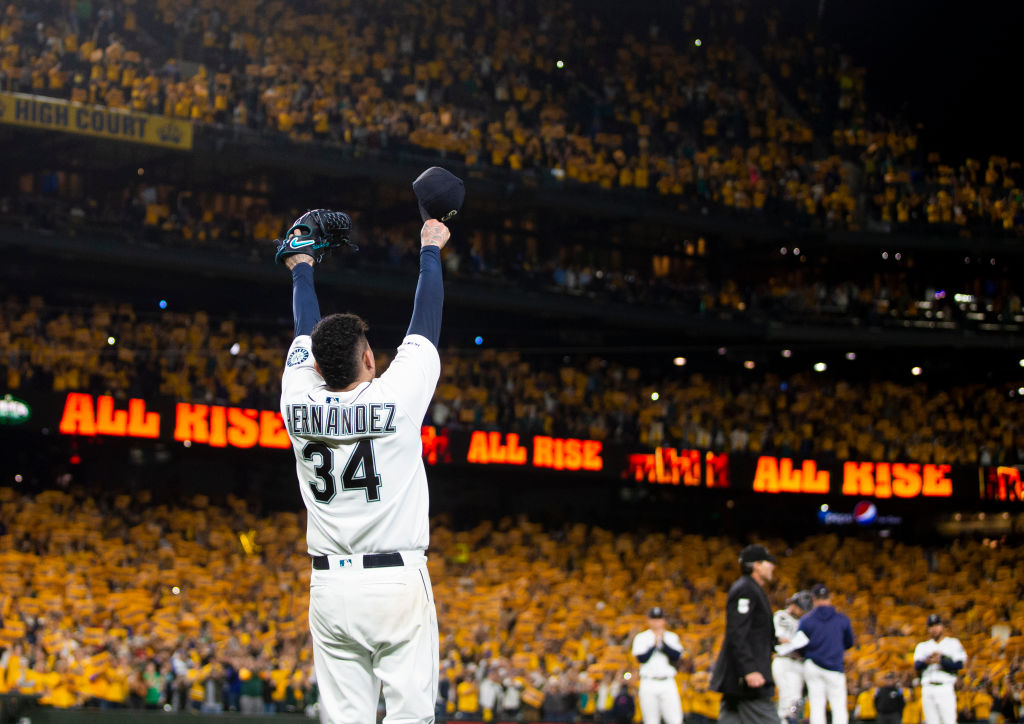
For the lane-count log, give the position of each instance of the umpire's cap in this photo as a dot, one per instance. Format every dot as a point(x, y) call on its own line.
point(934, 619)
point(754, 553)
point(440, 194)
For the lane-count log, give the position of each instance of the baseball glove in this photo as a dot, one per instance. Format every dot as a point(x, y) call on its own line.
point(315, 233)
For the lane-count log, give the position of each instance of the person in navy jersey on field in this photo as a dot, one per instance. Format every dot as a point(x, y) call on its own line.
point(828, 635)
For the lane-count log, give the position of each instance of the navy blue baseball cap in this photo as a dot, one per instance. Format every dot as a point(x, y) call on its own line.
point(440, 194)
point(656, 612)
point(934, 619)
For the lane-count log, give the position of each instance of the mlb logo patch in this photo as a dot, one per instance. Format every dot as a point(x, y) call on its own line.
point(743, 605)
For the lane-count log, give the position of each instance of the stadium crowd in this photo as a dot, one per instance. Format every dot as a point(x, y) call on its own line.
point(662, 112)
point(115, 349)
point(689, 275)
point(113, 600)
point(904, 187)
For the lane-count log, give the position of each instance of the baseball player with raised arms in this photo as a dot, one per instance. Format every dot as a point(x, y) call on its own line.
point(358, 455)
point(937, 661)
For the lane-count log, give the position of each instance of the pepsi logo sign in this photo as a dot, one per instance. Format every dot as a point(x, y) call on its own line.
point(865, 513)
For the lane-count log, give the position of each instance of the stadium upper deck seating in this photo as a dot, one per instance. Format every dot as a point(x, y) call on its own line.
point(637, 110)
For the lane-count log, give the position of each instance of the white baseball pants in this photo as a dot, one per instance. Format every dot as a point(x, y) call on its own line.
point(789, 678)
point(659, 701)
point(938, 701)
point(826, 686)
point(371, 627)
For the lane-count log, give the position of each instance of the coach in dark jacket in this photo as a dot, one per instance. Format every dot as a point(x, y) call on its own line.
point(743, 672)
point(829, 635)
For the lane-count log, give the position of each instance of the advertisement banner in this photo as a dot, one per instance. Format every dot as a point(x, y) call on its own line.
point(55, 114)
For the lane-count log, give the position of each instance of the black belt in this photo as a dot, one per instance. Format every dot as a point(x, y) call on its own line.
point(370, 560)
point(939, 683)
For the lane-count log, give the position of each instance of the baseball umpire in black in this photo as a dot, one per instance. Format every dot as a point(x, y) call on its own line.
point(743, 672)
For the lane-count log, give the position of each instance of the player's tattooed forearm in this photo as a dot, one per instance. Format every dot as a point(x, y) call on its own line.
point(434, 233)
point(434, 236)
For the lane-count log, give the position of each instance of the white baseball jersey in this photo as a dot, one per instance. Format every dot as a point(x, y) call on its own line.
point(785, 624)
point(658, 666)
point(659, 697)
point(948, 647)
point(358, 454)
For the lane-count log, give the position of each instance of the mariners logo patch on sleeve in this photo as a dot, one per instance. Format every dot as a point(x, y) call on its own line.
point(743, 605)
point(298, 356)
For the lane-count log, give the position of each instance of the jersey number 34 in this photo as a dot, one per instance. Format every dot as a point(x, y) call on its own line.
point(360, 471)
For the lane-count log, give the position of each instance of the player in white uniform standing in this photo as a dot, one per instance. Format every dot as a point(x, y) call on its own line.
point(788, 668)
point(937, 661)
point(658, 650)
point(356, 439)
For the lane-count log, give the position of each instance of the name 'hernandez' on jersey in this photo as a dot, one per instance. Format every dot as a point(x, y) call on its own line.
point(359, 454)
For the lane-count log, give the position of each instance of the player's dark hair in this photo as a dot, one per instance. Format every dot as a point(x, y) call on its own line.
point(338, 344)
